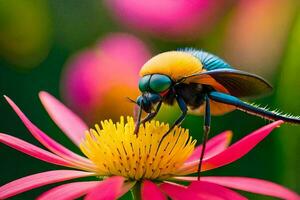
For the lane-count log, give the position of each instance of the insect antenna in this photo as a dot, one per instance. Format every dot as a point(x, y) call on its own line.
point(131, 100)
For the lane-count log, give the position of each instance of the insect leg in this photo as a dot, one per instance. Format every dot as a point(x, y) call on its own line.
point(151, 115)
point(206, 128)
point(184, 109)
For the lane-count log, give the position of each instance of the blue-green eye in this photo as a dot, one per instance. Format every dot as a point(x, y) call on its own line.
point(144, 83)
point(159, 82)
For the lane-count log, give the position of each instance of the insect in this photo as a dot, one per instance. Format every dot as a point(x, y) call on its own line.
point(200, 82)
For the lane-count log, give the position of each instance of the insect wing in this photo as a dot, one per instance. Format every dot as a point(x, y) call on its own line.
point(235, 82)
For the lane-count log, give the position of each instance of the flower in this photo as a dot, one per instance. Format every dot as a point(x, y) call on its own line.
point(120, 161)
point(254, 26)
point(181, 19)
point(99, 78)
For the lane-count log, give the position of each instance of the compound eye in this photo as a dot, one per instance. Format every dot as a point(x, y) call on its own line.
point(144, 83)
point(160, 83)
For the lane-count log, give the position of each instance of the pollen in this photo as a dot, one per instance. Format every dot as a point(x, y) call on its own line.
point(151, 154)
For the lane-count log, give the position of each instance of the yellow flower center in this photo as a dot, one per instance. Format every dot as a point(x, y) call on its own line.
point(116, 150)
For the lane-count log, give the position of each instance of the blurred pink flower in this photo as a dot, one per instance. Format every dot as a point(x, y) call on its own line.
point(123, 171)
point(98, 79)
point(184, 19)
point(257, 34)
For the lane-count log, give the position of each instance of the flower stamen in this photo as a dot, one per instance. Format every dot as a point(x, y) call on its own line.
point(116, 150)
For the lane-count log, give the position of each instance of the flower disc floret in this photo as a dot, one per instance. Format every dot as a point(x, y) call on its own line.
point(116, 150)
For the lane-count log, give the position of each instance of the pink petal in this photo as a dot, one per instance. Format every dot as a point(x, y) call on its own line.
point(218, 191)
point(150, 191)
point(32, 150)
point(214, 146)
point(75, 190)
point(254, 185)
point(179, 192)
point(69, 191)
point(186, 178)
point(125, 188)
point(65, 119)
point(108, 189)
point(48, 142)
point(37, 180)
point(234, 152)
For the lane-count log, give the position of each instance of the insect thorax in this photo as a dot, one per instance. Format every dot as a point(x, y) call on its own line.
point(192, 94)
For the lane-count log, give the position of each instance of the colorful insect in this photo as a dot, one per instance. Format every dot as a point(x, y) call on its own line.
point(202, 83)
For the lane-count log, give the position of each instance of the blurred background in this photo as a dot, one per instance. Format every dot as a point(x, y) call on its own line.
point(88, 54)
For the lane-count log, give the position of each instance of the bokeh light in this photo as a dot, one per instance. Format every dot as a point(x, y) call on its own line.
point(25, 32)
point(181, 19)
point(257, 34)
point(97, 81)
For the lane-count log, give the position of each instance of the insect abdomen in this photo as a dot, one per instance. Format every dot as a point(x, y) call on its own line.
point(253, 109)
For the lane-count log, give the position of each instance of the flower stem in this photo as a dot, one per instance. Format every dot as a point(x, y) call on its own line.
point(136, 191)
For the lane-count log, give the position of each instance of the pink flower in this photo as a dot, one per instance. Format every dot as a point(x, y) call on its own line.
point(256, 25)
point(120, 161)
point(98, 79)
point(172, 19)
